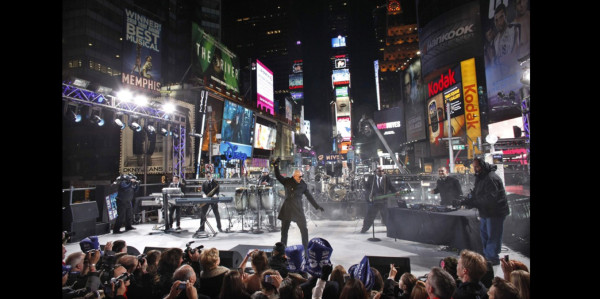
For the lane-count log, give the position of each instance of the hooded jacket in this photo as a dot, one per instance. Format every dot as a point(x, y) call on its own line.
point(488, 195)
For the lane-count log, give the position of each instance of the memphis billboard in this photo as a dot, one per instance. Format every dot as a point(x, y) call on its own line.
point(141, 52)
point(264, 88)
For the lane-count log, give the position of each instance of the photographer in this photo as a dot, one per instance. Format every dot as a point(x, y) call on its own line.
point(117, 286)
point(128, 185)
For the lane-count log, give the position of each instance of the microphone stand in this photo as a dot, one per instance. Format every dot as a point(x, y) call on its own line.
point(373, 202)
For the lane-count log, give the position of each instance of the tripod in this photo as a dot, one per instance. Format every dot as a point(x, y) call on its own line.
point(259, 191)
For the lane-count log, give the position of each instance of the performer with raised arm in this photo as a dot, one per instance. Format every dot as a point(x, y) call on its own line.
point(291, 209)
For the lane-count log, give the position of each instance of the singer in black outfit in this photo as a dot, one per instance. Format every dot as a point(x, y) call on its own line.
point(207, 187)
point(128, 185)
point(448, 187)
point(377, 185)
point(292, 209)
point(177, 209)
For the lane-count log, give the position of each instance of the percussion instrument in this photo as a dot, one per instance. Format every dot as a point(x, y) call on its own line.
point(241, 199)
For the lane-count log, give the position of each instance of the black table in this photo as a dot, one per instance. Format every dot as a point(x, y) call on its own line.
point(458, 229)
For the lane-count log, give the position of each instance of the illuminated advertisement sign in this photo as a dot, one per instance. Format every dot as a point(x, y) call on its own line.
point(264, 137)
point(506, 44)
point(141, 52)
point(344, 127)
point(341, 91)
point(238, 124)
point(342, 106)
point(340, 77)
point(390, 123)
point(456, 86)
point(288, 110)
point(297, 95)
point(264, 88)
point(296, 81)
point(297, 66)
point(213, 62)
point(233, 151)
point(339, 63)
point(339, 41)
point(306, 130)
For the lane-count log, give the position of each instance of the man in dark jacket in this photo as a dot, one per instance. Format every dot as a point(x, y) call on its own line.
point(448, 187)
point(128, 185)
point(489, 197)
point(378, 185)
point(207, 187)
point(470, 269)
point(291, 208)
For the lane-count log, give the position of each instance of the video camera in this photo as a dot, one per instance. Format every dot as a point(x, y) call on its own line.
point(189, 251)
point(141, 258)
point(127, 177)
point(117, 282)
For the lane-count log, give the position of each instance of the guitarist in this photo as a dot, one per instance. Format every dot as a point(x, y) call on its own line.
point(207, 187)
point(377, 185)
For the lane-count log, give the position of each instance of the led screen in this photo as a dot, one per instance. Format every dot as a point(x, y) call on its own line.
point(111, 206)
point(296, 81)
point(297, 95)
point(264, 137)
point(343, 127)
point(238, 124)
point(339, 41)
point(264, 88)
point(341, 91)
point(341, 76)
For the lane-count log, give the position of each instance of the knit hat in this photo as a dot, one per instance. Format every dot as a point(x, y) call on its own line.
point(295, 255)
point(362, 271)
point(89, 243)
point(319, 254)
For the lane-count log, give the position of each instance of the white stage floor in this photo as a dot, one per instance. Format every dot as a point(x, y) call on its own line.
point(349, 245)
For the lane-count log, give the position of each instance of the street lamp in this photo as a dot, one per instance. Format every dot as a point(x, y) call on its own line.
point(491, 139)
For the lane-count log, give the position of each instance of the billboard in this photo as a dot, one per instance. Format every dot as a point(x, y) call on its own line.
point(238, 124)
point(341, 91)
point(213, 62)
point(389, 123)
point(339, 41)
point(340, 77)
point(288, 110)
point(141, 52)
point(342, 105)
point(455, 85)
point(297, 66)
point(306, 129)
point(296, 81)
point(264, 137)
point(506, 43)
point(213, 122)
point(453, 36)
point(264, 88)
point(339, 62)
point(344, 127)
point(413, 97)
point(232, 150)
point(297, 95)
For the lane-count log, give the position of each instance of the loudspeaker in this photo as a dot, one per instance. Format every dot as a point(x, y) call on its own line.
point(102, 228)
point(382, 264)
point(517, 131)
point(132, 250)
point(161, 249)
point(82, 229)
point(84, 211)
point(230, 259)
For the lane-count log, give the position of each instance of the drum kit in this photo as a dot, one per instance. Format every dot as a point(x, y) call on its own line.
point(254, 199)
point(338, 189)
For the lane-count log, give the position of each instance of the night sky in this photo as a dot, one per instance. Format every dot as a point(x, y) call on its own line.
point(316, 43)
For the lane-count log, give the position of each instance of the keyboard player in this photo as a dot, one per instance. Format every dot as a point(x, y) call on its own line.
point(176, 183)
point(210, 186)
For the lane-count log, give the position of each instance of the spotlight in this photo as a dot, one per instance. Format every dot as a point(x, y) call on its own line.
point(150, 129)
point(119, 123)
point(74, 117)
point(135, 126)
point(164, 132)
point(97, 120)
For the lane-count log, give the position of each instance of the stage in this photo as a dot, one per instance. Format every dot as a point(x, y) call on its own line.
point(349, 245)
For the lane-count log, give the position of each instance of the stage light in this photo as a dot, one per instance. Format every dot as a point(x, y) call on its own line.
point(81, 83)
point(119, 123)
point(134, 124)
point(150, 129)
point(97, 120)
point(141, 100)
point(124, 95)
point(74, 117)
point(168, 107)
point(164, 132)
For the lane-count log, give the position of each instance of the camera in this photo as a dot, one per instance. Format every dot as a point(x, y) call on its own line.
point(268, 279)
point(141, 258)
point(506, 258)
point(190, 251)
point(117, 280)
point(182, 285)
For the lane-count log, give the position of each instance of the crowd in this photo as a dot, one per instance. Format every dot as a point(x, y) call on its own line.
point(291, 272)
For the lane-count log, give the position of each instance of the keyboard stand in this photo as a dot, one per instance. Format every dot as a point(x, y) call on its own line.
point(166, 230)
point(204, 234)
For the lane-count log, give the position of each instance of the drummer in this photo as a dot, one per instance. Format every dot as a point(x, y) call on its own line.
point(265, 179)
